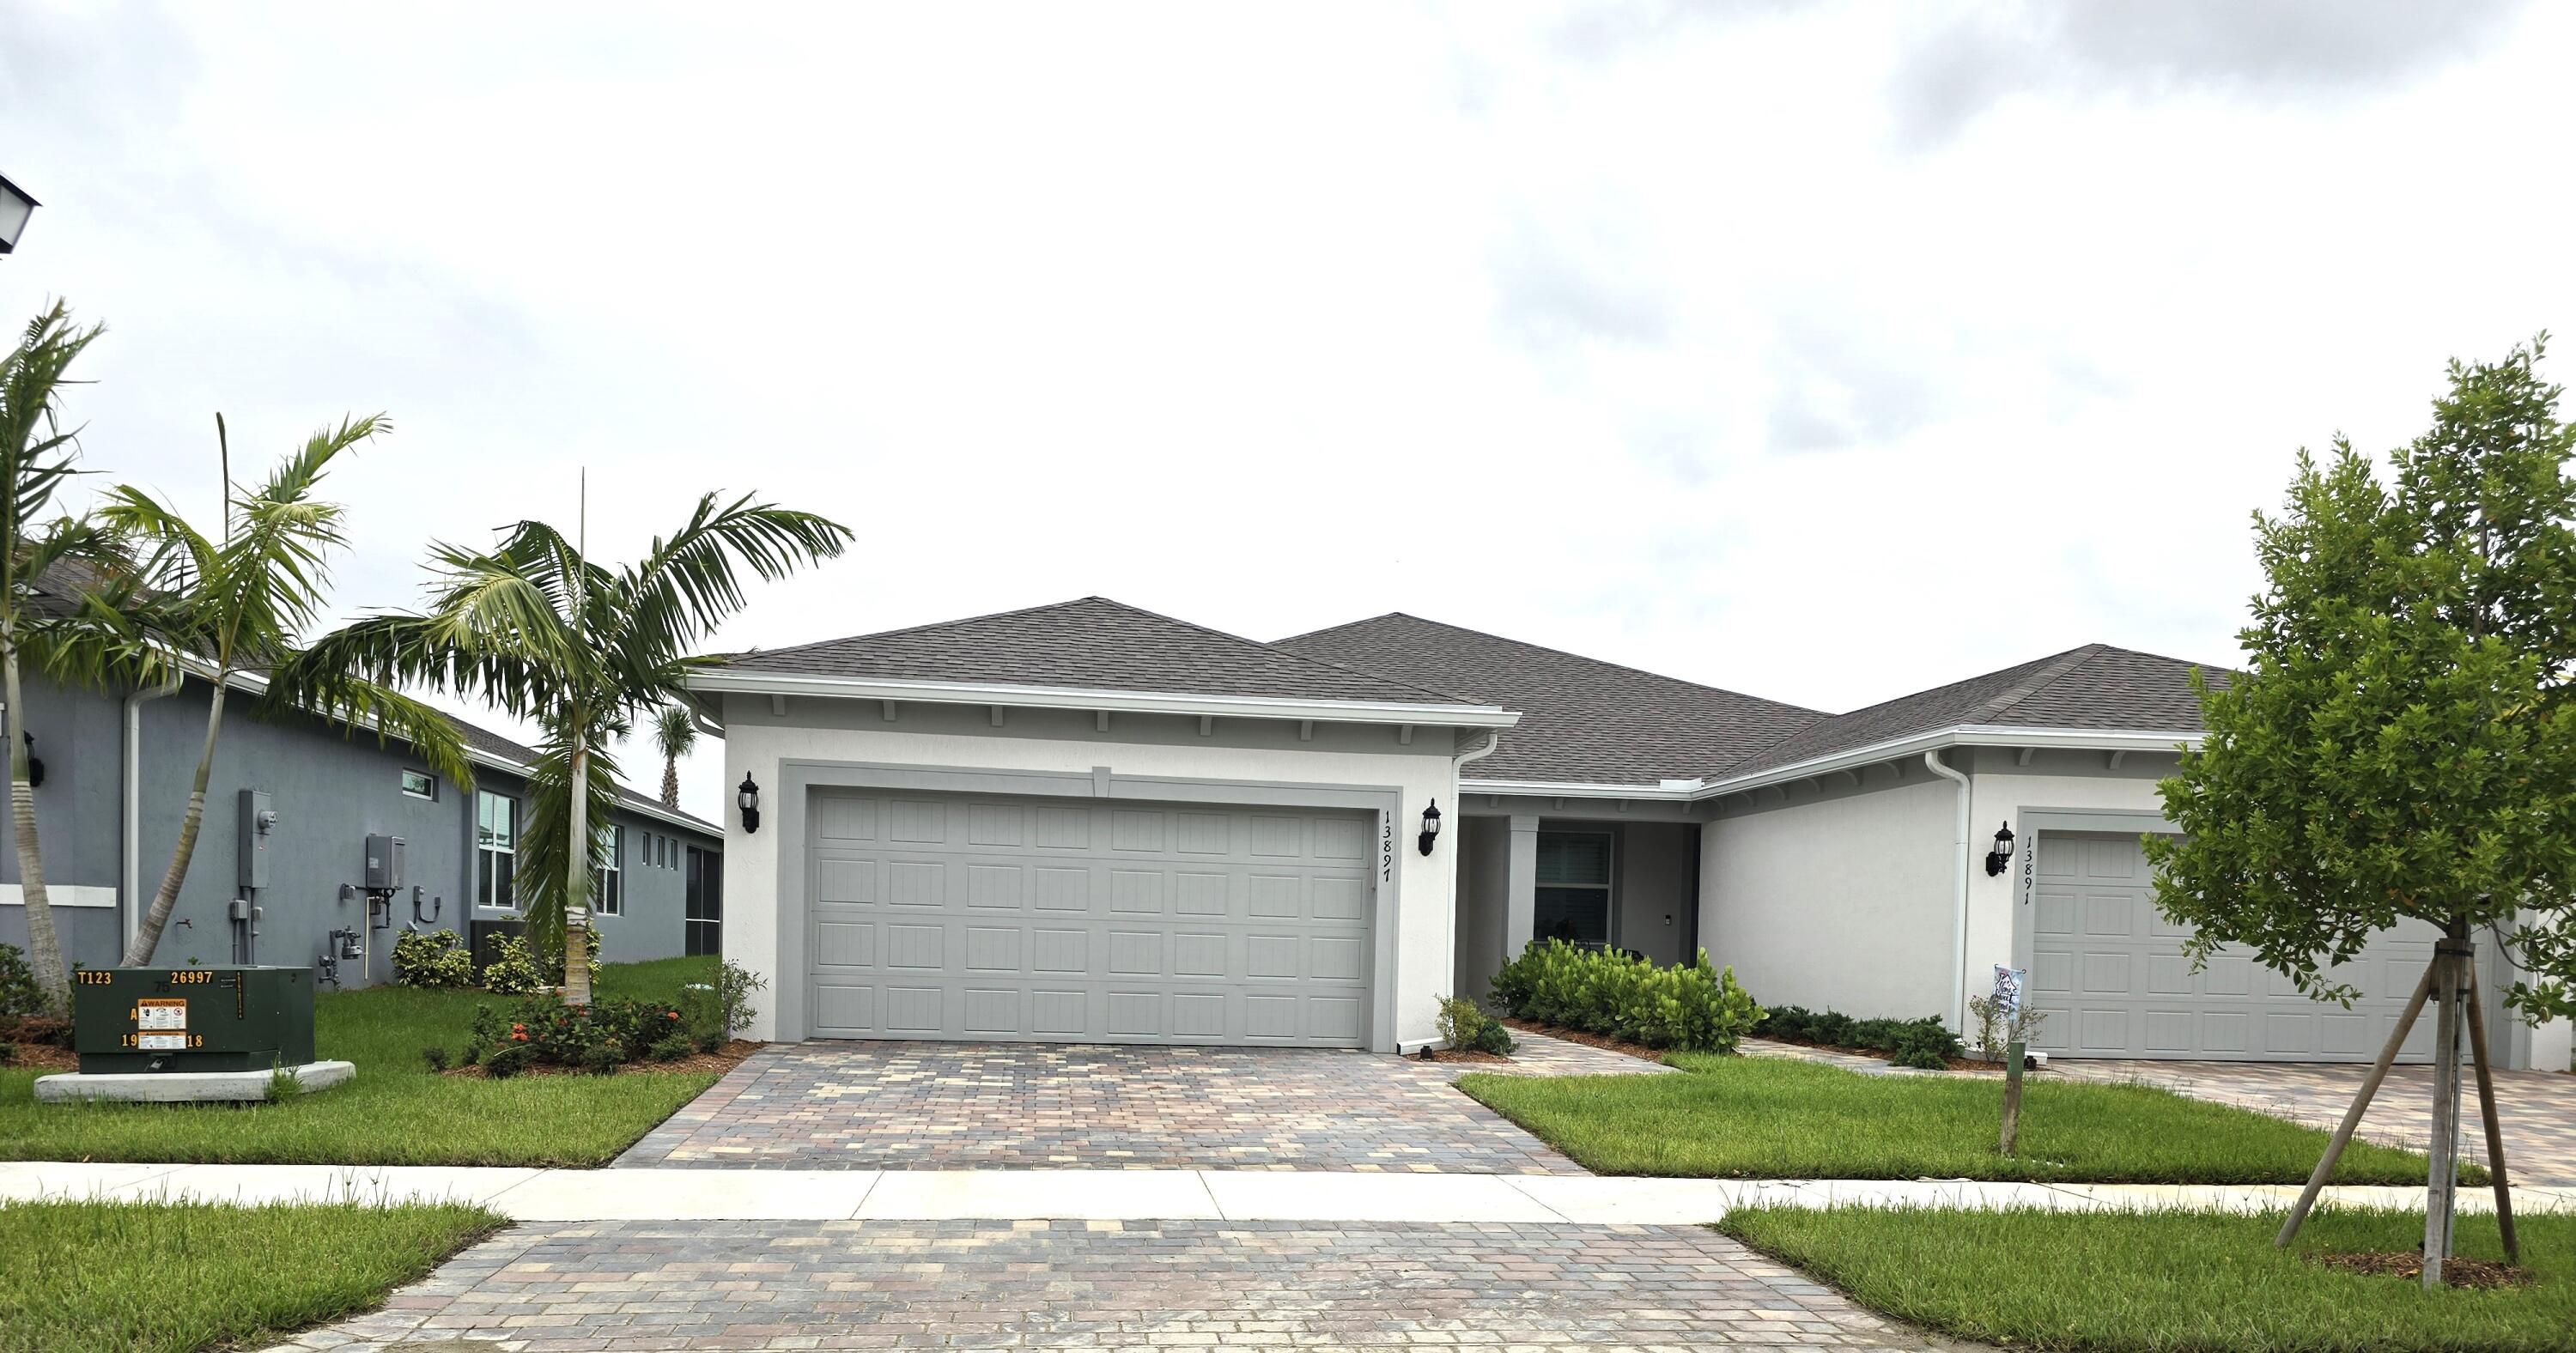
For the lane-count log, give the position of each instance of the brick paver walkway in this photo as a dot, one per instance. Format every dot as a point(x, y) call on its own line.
point(2537, 1108)
point(942, 1106)
point(1109, 1285)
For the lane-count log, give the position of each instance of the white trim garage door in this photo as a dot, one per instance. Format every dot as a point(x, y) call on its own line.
point(2110, 973)
point(957, 916)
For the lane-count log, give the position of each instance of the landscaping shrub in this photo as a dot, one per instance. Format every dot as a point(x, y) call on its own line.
point(1465, 1026)
point(18, 993)
point(518, 970)
point(712, 1013)
point(1924, 1043)
point(432, 958)
point(436, 1056)
point(597, 1037)
point(1689, 1006)
point(8, 1053)
point(672, 1048)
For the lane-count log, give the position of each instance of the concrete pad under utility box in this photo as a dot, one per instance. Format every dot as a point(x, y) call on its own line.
point(185, 1087)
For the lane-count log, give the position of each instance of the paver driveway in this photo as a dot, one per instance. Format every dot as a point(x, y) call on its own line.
point(1109, 1285)
point(933, 1106)
point(2537, 1108)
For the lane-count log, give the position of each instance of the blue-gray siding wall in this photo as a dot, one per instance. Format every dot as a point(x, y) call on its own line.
point(330, 791)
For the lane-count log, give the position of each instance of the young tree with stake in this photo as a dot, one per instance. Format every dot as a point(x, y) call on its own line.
point(2403, 744)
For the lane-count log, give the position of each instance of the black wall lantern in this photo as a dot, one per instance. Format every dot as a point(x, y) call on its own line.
point(748, 798)
point(2000, 858)
point(1430, 827)
point(35, 766)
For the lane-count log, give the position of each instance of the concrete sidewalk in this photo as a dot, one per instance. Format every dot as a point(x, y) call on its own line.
point(1128, 1195)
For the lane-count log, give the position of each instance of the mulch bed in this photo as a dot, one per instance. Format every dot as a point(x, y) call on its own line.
point(1955, 1063)
point(43, 1058)
point(1461, 1055)
point(2481, 1274)
point(1588, 1040)
point(720, 1061)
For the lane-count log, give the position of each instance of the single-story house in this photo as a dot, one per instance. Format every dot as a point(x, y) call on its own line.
point(1088, 822)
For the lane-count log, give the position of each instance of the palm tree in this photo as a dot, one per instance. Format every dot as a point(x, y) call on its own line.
point(675, 735)
point(36, 458)
point(580, 649)
point(235, 607)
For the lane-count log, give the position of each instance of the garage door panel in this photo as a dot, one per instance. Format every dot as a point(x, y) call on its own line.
point(1031, 919)
point(2109, 973)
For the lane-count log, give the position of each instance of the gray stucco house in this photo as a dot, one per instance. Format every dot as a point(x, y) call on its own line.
point(1088, 822)
point(117, 768)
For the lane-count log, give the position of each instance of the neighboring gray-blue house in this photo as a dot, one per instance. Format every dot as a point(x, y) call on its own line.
point(116, 772)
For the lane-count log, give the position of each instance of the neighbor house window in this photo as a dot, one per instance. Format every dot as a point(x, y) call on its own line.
point(420, 784)
point(608, 890)
point(1573, 888)
point(496, 849)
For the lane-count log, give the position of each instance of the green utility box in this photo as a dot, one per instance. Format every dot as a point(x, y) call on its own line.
point(228, 1018)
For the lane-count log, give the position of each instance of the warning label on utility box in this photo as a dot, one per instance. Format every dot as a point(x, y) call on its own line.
point(161, 1013)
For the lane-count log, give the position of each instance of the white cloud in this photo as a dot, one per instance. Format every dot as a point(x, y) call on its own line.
point(1777, 346)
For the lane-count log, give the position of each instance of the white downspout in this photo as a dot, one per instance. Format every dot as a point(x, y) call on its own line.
point(1458, 806)
point(1959, 890)
point(129, 881)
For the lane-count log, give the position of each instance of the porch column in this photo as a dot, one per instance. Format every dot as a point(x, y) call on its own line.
point(1520, 898)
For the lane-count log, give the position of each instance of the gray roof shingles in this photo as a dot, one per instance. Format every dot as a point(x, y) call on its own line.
point(2093, 687)
point(1091, 644)
point(1583, 721)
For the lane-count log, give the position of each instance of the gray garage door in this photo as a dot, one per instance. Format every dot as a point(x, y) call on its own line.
point(2110, 973)
point(976, 917)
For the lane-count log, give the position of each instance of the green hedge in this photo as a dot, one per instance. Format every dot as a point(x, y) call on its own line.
point(1691, 1007)
point(1924, 1043)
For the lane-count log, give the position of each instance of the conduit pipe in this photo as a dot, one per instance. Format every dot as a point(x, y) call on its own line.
point(1959, 892)
point(129, 888)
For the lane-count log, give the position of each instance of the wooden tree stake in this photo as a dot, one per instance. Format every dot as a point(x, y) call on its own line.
point(2352, 1116)
point(2013, 1055)
point(2442, 1182)
point(2495, 1128)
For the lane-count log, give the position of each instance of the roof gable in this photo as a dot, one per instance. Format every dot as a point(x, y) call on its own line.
point(1583, 721)
point(1089, 644)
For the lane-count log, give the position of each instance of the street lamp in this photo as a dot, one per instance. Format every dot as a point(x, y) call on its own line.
point(15, 207)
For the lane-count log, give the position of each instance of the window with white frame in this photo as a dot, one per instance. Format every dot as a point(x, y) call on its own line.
point(1573, 888)
point(608, 890)
point(420, 784)
point(496, 850)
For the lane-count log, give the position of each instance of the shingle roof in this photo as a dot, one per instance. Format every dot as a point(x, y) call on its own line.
point(1093, 644)
point(2096, 686)
point(1583, 721)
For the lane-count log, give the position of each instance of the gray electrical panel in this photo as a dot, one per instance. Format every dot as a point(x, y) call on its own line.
point(384, 863)
point(254, 823)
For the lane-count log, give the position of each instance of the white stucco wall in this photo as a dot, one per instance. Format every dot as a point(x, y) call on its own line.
point(813, 729)
point(1842, 902)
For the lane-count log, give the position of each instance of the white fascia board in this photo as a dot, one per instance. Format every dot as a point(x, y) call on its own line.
point(252, 683)
point(1963, 735)
point(1116, 702)
point(1543, 789)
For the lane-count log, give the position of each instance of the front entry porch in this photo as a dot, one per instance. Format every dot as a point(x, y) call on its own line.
point(1618, 874)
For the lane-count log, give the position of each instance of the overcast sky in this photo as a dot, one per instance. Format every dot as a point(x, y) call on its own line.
point(1825, 352)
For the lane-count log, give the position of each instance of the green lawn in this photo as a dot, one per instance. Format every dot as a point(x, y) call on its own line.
point(183, 1276)
point(2167, 1281)
point(396, 1112)
point(1772, 1118)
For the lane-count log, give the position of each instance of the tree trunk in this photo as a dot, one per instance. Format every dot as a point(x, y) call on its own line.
point(44, 945)
point(576, 927)
point(671, 783)
point(147, 935)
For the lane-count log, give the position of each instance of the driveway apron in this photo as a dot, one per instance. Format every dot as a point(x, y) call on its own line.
point(1101, 1285)
point(940, 1106)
